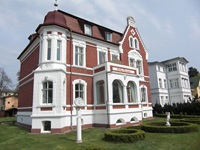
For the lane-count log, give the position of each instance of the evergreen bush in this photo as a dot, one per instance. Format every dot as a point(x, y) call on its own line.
point(176, 127)
point(124, 135)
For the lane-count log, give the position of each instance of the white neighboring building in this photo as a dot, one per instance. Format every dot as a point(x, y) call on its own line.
point(169, 81)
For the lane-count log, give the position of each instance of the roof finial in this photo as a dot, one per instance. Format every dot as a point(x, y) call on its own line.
point(56, 5)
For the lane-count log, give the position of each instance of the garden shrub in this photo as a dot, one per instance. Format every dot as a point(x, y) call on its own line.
point(191, 120)
point(124, 135)
point(189, 108)
point(176, 127)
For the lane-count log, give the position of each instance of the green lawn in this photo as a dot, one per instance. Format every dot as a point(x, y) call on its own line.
point(15, 137)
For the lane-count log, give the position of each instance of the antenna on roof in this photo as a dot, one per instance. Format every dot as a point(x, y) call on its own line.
point(56, 5)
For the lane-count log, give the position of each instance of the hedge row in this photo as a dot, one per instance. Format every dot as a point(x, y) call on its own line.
point(191, 120)
point(176, 127)
point(189, 108)
point(124, 135)
point(176, 116)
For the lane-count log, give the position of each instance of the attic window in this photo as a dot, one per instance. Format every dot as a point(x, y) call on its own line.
point(88, 29)
point(48, 32)
point(108, 36)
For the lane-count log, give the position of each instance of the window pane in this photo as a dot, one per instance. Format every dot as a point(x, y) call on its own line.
point(136, 43)
point(114, 56)
point(117, 92)
point(58, 49)
point(131, 92)
point(102, 57)
point(50, 96)
point(48, 49)
point(100, 92)
point(143, 93)
point(44, 100)
point(79, 90)
point(47, 126)
point(47, 92)
point(108, 36)
point(88, 30)
point(131, 42)
point(79, 56)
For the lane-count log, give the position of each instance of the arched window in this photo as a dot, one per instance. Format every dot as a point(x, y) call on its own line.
point(47, 92)
point(117, 92)
point(144, 97)
point(131, 44)
point(80, 89)
point(131, 92)
point(120, 121)
point(134, 119)
point(135, 60)
point(136, 44)
point(100, 92)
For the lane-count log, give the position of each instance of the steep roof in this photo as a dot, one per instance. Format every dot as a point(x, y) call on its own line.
point(76, 25)
point(176, 58)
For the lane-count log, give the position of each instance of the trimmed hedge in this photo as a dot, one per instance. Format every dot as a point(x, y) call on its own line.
point(176, 116)
point(124, 135)
point(176, 127)
point(191, 120)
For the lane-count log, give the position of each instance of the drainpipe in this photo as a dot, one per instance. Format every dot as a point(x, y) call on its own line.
point(168, 87)
point(70, 76)
point(107, 102)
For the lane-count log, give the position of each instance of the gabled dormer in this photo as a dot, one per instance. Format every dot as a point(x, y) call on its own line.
point(132, 41)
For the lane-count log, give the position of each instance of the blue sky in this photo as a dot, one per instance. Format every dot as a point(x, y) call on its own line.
point(169, 28)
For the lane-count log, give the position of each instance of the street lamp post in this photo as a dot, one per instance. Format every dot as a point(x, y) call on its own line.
point(78, 102)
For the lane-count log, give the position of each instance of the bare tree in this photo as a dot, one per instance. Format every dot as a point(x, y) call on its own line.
point(5, 81)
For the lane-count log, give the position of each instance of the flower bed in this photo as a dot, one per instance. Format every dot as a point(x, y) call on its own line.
point(124, 135)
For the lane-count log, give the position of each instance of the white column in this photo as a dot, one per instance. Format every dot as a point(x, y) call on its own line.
point(125, 96)
point(54, 49)
point(44, 50)
point(79, 132)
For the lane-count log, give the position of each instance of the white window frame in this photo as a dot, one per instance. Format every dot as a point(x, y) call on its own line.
point(98, 87)
point(49, 49)
point(112, 52)
point(88, 29)
point(80, 81)
point(146, 96)
point(104, 50)
point(132, 43)
point(137, 57)
point(83, 45)
point(43, 127)
point(122, 91)
point(59, 50)
point(47, 90)
point(135, 99)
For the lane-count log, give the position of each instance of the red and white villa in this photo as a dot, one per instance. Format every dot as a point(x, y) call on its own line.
point(70, 57)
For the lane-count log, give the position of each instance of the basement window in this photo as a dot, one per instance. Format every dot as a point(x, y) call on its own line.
point(46, 126)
